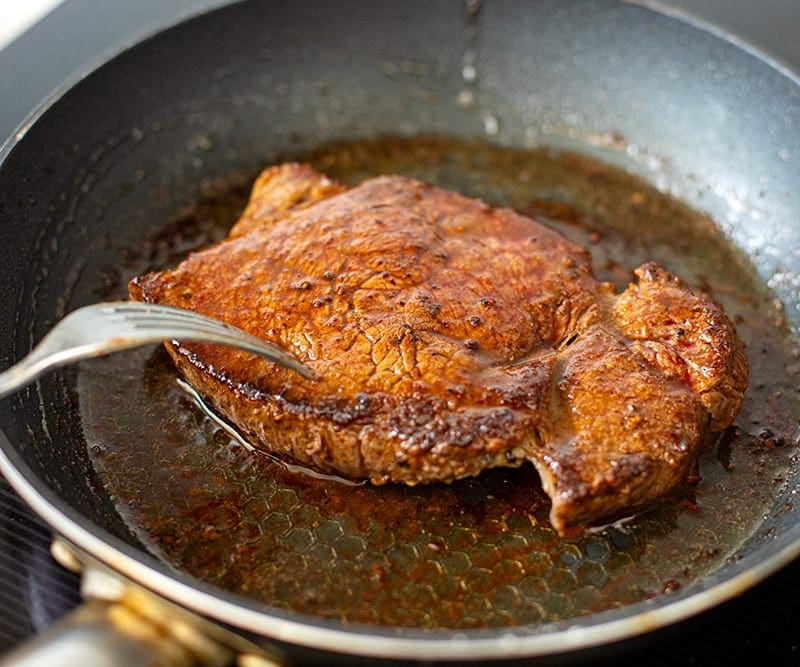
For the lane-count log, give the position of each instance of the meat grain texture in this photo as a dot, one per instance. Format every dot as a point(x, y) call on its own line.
point(449, 337)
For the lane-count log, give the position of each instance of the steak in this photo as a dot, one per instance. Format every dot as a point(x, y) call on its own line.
point(449, 337)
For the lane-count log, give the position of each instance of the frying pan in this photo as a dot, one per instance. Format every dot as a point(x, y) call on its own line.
point(224, 93)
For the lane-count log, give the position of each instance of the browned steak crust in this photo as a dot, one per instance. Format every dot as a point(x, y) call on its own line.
point(449, 337)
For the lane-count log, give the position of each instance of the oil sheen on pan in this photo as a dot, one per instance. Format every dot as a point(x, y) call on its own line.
point(478, 552)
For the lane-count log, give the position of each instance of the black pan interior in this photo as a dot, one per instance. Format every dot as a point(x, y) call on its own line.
point(218, 97)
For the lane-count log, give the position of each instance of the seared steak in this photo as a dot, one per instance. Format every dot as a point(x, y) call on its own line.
point(449, 337)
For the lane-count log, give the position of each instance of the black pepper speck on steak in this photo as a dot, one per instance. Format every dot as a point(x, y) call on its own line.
point(449, 337)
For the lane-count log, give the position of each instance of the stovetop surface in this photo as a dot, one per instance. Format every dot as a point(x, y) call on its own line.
point(35, 591)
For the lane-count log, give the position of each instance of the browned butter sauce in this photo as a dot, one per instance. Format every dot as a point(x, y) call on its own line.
point(479, 552)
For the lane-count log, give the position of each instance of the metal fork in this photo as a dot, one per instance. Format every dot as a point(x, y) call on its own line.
point(96, 330)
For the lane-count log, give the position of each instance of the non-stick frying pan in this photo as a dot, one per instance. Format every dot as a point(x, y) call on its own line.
point(101, 170)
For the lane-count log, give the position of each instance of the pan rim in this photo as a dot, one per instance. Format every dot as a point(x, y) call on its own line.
point(568, 636)
point(231, 610)
point(787, 69)
point(108, 55)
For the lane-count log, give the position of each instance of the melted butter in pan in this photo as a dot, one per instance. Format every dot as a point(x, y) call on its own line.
point(479, 552)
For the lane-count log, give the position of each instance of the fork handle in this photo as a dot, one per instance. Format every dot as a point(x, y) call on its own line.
point(26, 371)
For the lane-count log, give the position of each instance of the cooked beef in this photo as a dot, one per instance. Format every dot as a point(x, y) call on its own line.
point(449, 337)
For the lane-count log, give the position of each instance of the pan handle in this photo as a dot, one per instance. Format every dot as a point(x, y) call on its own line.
point(100, 633)
point(122, 624)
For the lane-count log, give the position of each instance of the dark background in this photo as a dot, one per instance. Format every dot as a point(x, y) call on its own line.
point(763, 624)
